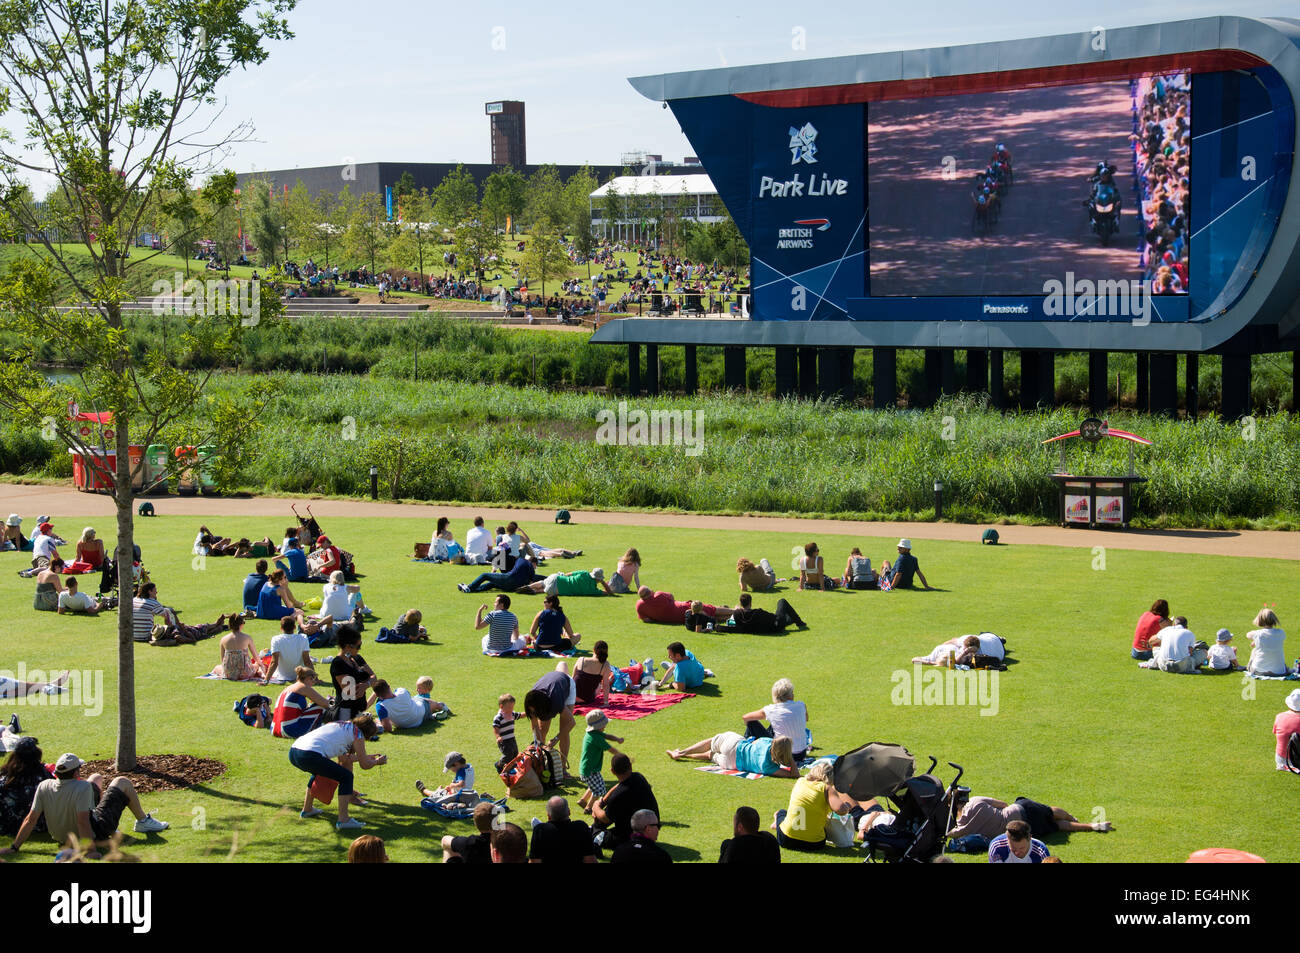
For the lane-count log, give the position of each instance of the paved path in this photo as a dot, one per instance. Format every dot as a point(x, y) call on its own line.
point(64, 501)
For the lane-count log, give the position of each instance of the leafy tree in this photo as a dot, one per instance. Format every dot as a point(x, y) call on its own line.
point(417, 233)
point(455, 197)
point(546, 203)
point(366, 235)
point(300, 218)
point(505, 196)
point(477, 244)
point(109, 99)
point(545, 259)
point(265, 221)
point(405, 185)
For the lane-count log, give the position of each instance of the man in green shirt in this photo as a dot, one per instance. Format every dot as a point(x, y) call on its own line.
point(580, 583)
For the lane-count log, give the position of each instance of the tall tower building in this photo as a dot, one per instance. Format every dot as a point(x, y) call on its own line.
point(509, 144)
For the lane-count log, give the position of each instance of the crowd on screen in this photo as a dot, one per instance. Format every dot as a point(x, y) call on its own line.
point(1161, 146)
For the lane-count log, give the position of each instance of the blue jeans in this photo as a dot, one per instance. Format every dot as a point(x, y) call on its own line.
point(314, 764)
point(490, 580)
point(1142, 656)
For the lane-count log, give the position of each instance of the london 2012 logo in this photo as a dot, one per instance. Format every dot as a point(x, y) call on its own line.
point(803, 144)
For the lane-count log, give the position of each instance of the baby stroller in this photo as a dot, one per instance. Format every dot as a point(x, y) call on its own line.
point(313, 532)
point(925, 810)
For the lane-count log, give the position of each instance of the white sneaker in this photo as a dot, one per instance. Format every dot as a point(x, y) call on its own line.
point(350, 824)
point(150, 825)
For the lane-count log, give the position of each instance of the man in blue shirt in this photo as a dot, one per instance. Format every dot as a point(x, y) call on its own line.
point(297, 568)
point(684, 670)
point(899, 575)
point(253, 583)
point(1017, 847)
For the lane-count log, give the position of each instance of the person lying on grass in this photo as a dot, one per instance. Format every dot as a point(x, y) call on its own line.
point(989, 817)
point(145, 606)
point(961, 650)
point(652, 606)
point(745, 618)
point(519, 576)
point(316, 751)
point(758, 578)
point(773, 757)
point(74, 601)
point(581, 583)
point(401, 709)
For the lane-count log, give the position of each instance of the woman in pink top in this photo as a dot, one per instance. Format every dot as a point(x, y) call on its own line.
point(628, 576)
point(1285, 725)
point(1151, 622)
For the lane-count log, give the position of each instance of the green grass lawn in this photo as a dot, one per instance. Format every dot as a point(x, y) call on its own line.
point(1176, 763)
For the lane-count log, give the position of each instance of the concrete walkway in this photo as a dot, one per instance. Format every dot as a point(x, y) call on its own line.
point(65, 502)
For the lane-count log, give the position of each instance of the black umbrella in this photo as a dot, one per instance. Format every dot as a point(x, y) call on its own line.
point(873, 770)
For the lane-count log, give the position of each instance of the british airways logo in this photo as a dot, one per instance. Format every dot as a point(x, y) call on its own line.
point(821, 224)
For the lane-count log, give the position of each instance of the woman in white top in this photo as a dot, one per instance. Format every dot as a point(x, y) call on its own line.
point(812, 574)
point(335, 601)
point(1267, 657)
point(785, 716)
point(443, 545)
point(345, 741)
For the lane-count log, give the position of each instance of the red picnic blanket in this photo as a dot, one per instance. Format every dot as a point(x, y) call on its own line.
point(632, 707)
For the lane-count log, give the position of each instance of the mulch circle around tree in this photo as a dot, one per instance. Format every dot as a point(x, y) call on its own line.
point(160, 772)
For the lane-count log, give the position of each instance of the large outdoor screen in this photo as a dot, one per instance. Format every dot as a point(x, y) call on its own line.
point(951, 214)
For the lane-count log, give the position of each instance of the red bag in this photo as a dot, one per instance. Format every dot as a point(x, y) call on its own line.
point(323, 788)
point(520, 779)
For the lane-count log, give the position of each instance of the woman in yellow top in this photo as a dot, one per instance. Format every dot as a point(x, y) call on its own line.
point(802, 826)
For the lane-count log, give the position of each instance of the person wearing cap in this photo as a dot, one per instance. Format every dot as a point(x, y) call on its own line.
point(326, 557)
point(296, 568)
point(642, 848)
point(1286, 724)
point(459, 789)
point(594, 745)
point(899, 574)
point(13, 535)
point(44, 544)
point(86, 808)
point(580, 583)
point(1223, 657)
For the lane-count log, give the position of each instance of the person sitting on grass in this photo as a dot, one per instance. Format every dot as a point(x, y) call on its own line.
point(49, 586)
point(87, 809)
point(519, 576)
point(560, 839)
point(23, 771)
point(1176, 650)
point(401, 709)
point(747, 844)
point(786, 717)
point(758, 578)
point(316, 753)
point(90, 550)
point(1286, 724)
point(641, 847)
point(367, 849)
point(237, 652)
point(459, 790)
point(145, 606)
point(276, 601)
point(503, 628)
point(72, 600)
point(613, 812)
point(1149, 624)
point(1017, 847)
point(592, 676)
point(802, 825)
point(299, 708)
point(580, 583)
point(899, 575)
point(324, 559)
point(478, 542)
point(295, 561)
point(443, 546)
point(684, 672)
point(1267, 639)
point(772, 757)
point(595, 743)
point(509, 844)
point(551, 630)
point(253, 584)
point(627, 577)
point(812, 570)
point(1223, 657)
point(746, 619)
point(858, 573)
point(474, 848)
point(409, 628)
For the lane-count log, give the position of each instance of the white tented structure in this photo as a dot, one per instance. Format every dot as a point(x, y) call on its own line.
point(639, 207)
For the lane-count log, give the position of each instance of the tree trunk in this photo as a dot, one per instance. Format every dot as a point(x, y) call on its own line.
point(124, 497)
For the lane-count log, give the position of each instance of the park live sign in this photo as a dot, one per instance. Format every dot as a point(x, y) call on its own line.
point(808, 201)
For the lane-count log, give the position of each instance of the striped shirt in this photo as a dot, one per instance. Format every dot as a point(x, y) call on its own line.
point(505, 725)
point(1000, 851)
point(502, 624)
point(142, 613)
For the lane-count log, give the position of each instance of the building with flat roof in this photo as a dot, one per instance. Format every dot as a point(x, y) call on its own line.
point(625, 207)
point(509, 139)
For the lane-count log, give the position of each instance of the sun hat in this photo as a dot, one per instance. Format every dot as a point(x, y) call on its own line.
point(42, 519)
point(14, 520)
point(904, 543)
point(453, 758)
point(1293, 700)
point(1223, 635)
point(598, 574)
point(70, 762)
point(596, 719)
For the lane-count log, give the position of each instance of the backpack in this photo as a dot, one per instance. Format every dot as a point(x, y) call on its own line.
point(562, 516)
point(990, 536)
point(548, 763)
point(253, 701)
point(1293, 754)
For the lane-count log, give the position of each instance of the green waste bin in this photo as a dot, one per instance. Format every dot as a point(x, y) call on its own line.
point(155, 468)
point(207, 482)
